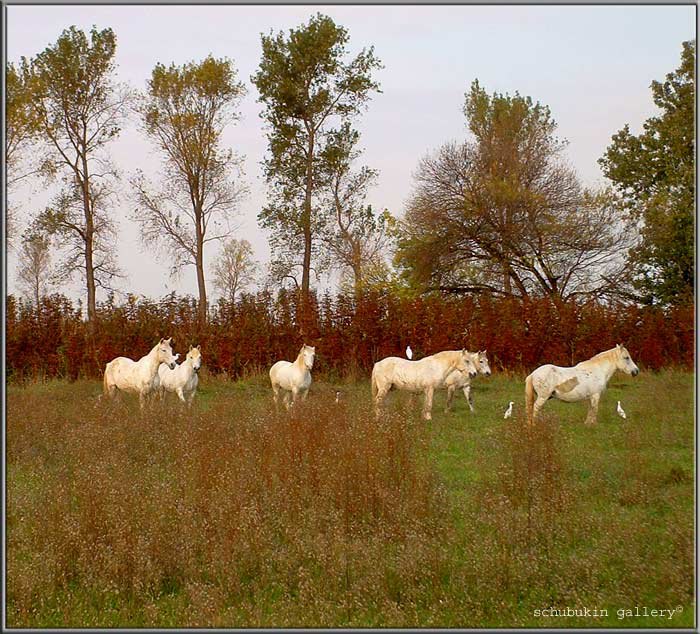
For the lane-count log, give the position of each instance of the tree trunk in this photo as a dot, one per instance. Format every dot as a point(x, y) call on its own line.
point(202, 307)
point(306, 224)
point(84, 182)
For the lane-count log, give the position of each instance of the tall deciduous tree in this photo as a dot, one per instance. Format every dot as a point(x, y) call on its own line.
point(34, 272)
point(80, 109)
point(184, 112)
point(503, 213)
point(654, 175)
point(235, 269)
point(307, 86)
point(354, 237)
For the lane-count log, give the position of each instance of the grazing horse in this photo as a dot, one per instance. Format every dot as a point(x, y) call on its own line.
point(424, 375)
point(293, 378)
point(586, 380)
point(183, 380)
point(456, 380)
point(139, 376)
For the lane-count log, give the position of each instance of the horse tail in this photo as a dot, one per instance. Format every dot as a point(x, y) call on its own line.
point(105, 386)
point(529, 398)
point(375, 389)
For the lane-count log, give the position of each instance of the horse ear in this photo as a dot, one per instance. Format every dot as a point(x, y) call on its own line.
point(190, 348)
point(619, 345)
point(199, 347)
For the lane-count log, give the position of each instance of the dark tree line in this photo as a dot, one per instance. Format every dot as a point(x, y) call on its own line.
point(247, 336)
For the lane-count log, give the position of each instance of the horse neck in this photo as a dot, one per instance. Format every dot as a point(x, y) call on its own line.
point(451, 366)
point(151, 361)
point(299, 362)
point(608, 366)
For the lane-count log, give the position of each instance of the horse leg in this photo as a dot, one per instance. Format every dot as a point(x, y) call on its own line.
point(379, 398)
point(288, 399)
point(592, 416)
point(275, 395)
point(468, 395)
point(428, 404)
point(181, 395)
point(538, 405)
point(450, 396)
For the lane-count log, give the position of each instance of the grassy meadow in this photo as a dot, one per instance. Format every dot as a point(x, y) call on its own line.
point(229, 515)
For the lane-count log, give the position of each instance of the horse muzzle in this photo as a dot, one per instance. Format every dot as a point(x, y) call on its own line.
point(635, 372)
point(487, 373)
point(172, 365)
point(472, 374)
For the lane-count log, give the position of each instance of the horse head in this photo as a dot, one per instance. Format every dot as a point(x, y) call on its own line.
point(482, 363)
point(195, 355)
point(624, 361)
point(309, 354)
point(165, 353)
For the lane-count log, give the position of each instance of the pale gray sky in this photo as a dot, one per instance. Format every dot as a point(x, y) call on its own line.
point(592, 65)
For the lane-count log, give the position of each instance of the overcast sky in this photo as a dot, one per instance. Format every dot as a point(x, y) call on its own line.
point(592, 65)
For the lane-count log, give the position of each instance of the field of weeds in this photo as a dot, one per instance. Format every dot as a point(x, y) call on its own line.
point(228, 515)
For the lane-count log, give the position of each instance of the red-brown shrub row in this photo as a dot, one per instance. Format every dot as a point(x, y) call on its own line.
point(349, 335)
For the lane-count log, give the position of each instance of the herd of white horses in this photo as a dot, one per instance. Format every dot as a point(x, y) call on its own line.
point(158, 372)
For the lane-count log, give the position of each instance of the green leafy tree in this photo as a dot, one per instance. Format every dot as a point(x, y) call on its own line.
point(503, 213)
point(654, 175)
point(308, 86)
point(80, 109)
point(184, 112)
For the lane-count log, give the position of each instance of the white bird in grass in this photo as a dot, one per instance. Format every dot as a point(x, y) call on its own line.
point(509, 411)
point(620, 411)
point(337, 396)
point(409, 352)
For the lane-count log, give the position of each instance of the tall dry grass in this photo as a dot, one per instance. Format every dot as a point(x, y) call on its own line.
point(229, 516)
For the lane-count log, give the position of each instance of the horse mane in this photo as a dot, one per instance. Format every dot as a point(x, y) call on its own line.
point(601, 356)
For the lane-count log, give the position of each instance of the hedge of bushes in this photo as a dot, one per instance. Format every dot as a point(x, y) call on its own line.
point(349, 334)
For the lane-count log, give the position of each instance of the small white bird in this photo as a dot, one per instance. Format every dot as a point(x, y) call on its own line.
point(620, 411)
point(337, 396)
point(409, 352)
point(509, 411)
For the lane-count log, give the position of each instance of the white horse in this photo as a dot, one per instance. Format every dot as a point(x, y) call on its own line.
point(140, 377)
point(424, 375)
point(293, 378)
point(456, 380)
point(183, 380)
point(586, 380)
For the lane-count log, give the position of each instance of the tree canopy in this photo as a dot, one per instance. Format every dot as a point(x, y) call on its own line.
point(503, 213)
point(79, 109)
point(184, 112)
point(654, 176)
point(309, 89)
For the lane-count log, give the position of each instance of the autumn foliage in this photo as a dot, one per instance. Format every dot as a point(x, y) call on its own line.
point(350, 335)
